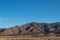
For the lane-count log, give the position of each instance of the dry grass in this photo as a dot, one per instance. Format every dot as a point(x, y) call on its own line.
point(28, 38)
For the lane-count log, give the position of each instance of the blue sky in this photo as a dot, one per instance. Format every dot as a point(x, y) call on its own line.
point(18, 12)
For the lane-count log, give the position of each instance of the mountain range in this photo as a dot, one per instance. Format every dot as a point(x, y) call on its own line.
point(32, 29)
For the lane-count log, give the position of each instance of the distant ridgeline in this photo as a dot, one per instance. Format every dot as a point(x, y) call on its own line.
point(32, 28)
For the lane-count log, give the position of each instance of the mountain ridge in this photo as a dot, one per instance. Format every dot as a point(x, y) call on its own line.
point(32, 28)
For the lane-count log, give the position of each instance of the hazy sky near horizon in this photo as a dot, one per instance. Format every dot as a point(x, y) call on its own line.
point(18, 12)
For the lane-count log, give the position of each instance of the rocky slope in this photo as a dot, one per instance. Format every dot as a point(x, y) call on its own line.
point(32, 28)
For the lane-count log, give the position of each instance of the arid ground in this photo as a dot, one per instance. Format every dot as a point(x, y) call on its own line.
point(28, 38)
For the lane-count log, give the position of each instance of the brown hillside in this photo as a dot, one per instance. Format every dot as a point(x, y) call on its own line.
point(32, 28)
